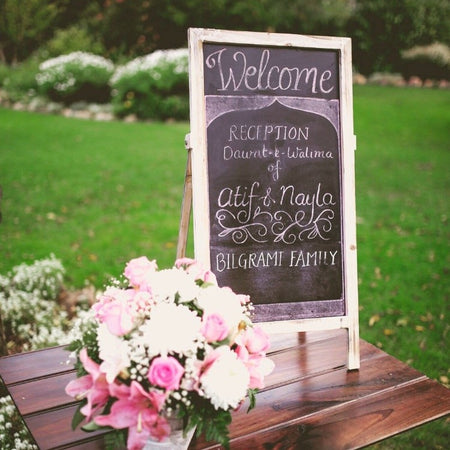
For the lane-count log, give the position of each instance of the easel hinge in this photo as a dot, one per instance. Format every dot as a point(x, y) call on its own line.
point(187, 142)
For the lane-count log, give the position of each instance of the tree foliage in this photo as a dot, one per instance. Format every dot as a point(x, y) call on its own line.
point(381, 29)
point(24, 24)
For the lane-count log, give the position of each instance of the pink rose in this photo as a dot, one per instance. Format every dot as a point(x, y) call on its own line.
point(258, 366)
point(114, 310)
point(255, 340)
point(138, 269)
point(214, 328)
point(194, 268)
point(165, 372)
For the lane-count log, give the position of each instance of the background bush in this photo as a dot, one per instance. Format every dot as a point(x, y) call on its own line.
point(381, 29)
point(13, 433)
point(69, 40)
point(155, 86)
point(30, 315)
point(20, 80)
point(75, 77)
point(427, 62)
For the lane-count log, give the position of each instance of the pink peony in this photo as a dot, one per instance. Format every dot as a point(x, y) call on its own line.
point(165, 372)
point(93, 387)
point(255, 340)
point(114, 310)
point(214, 328)
point(137, 271)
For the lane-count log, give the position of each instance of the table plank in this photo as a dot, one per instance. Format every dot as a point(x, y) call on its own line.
point(36, 364)
point(311, 400)
point(52, 429)
point(352, 426)
point(46, 393)
point(96, 444)
point(42, 394)
point(279, 407)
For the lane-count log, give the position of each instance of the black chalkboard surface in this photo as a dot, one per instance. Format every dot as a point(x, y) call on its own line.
point(272, 173)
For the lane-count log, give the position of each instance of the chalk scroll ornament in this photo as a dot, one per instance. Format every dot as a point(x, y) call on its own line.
point(280, 226)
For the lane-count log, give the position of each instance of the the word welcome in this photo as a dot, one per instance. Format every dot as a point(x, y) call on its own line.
point(236, 74)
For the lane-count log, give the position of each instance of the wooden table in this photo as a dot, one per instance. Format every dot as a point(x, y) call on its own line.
point(311, 400)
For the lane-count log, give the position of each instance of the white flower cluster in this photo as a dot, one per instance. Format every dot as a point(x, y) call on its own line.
point(13, 434)
point(438, 52)
point(225, 383)
point(59, 71)
point(81, 325)
point(168, 340)
point(148, 63)
point(81, 59)
point(28, 307)
point(45, 276)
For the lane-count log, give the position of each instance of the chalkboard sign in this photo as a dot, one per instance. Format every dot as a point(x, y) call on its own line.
point(272, 166)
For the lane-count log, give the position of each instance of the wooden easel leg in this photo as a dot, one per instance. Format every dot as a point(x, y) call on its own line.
point(185, 206)
point(353, 361)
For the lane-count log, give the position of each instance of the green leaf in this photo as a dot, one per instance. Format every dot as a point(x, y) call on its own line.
point(78, 417)
point(115, 440)
point(252, 399)
point(91, 426)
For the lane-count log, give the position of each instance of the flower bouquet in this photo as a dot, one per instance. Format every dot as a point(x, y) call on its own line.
point(164, 345)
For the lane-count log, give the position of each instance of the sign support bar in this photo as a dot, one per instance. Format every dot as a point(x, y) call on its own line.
point(186, 206)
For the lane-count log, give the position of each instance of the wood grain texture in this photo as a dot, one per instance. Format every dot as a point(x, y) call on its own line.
point(32, 365)
point(311, 400)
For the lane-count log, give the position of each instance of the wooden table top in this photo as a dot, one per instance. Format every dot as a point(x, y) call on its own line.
point(311, 400)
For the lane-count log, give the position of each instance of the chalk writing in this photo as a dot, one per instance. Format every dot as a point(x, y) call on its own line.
point(274, 173)
point(243, 216)
point(278, 258)
point(246, 132)
point(236, 74)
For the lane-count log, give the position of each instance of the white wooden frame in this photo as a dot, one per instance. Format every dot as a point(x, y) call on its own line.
point(197, 37)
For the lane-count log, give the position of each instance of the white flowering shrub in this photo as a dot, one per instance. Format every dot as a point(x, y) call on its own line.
point(30, 313)
point(155, 86)
point(13, 433)
point(45, 276)
point(76, 76)
point(31, 319)
point(429, 61)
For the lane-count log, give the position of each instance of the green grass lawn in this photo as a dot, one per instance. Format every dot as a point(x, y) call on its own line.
point(97, 194)
point(403, 187)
